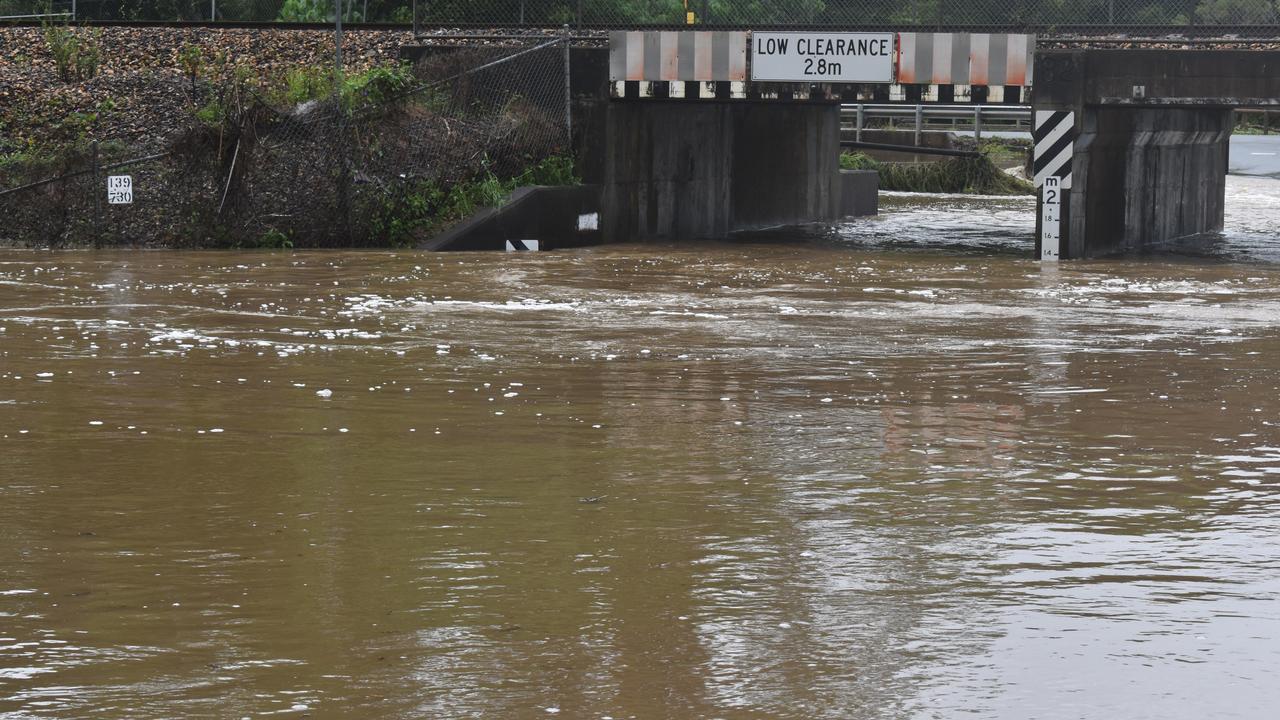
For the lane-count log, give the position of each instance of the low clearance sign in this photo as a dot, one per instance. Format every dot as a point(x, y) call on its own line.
point(822, 57)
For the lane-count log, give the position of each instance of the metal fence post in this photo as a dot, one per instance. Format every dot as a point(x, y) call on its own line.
point(857, 129)
point(213, 10)
point(415, 18)
point(97, 198)
point(977, 122)
point(919, 123)
point(568, 95)
point(337, 39)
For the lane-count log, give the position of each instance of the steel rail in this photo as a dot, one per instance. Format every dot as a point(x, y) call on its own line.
point(1234, 34)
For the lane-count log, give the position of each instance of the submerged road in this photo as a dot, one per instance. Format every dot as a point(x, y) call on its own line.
point(1255, 155)
point(892, 469)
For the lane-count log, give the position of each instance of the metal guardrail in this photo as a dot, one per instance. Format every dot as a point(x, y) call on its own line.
point(977, 115)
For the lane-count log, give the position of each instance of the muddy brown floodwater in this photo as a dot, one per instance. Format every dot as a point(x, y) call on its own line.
point(893, 470)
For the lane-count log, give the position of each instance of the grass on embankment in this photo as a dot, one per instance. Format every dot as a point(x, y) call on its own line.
point(977, 176)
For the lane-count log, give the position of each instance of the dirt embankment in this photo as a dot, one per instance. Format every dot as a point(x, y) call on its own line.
point(228, 158)
point(140, 95)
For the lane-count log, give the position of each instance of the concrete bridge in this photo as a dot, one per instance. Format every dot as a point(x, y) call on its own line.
point(700, 134)
point(703, 133)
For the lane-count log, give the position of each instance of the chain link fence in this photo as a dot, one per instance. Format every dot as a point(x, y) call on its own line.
point(385, 160)
point(1045, 16)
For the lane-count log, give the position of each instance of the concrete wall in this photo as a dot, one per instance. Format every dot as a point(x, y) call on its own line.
point(1145, 176)
point(682, 169)
point(860, 192)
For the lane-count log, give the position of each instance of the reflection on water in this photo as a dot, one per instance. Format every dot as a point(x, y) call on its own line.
point(896, 470)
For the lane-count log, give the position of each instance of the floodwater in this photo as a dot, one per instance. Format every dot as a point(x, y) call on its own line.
point(894, 470)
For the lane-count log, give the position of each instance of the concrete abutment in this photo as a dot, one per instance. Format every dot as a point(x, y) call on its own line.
point(1145, 176)
point(679, 169)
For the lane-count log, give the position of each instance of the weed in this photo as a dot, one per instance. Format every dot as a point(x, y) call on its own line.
point(957, 175)
point(76, 54)
point(307, 83)
point(273, 239)
point(191, 61)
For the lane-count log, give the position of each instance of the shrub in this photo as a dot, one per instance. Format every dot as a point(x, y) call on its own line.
point(75, 54)
point(191, 61)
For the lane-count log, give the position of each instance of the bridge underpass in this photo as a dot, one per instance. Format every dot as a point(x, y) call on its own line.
point(682, 155)
point(691, 134)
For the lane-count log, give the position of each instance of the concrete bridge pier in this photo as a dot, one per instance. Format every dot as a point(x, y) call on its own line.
point(1153, 130)
point(1145, 176)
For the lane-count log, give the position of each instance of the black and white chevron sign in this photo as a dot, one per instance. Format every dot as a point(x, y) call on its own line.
point(522, 245)
point(1055, 135)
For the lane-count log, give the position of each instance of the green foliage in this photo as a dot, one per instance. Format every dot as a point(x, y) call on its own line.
point(231, 92)
point(76, 53)
point(376, 86)
point(307, 83)
point(212, 114)
point(1237, 12)
point(323, 10)
point(414, 210)
point(191, 61)
point(402, 214)
point(273, 239)
point(306, 11)
point(373, 88)
point(555, 170)
point(1256, 123)
point(857, 161)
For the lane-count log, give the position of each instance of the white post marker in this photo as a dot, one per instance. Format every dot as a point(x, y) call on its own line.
point(119, 189)
point(822, 57)
point(1051, 219)
point(522, 245)
point(1054, 134)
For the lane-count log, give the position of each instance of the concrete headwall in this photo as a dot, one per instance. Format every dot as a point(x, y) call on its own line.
point(684, 169)
point(556, 217)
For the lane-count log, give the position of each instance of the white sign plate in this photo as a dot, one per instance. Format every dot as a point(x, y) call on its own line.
point(822, 57)
point(1051, 219)
point(119, 189)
